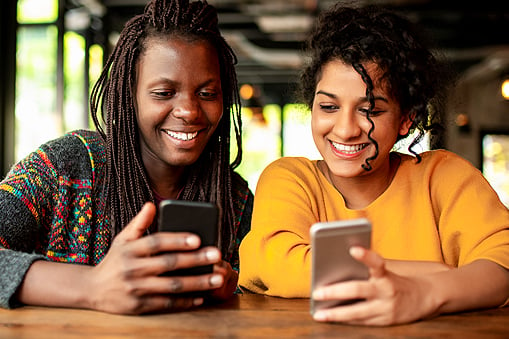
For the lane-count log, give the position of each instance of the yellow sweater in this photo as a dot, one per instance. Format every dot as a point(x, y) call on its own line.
point(441, 209)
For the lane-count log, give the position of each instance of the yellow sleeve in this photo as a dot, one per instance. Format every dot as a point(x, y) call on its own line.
point(474, 224)
point(275, 256)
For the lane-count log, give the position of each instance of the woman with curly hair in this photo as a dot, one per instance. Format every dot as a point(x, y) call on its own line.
point(168, 96)
point(440, 234)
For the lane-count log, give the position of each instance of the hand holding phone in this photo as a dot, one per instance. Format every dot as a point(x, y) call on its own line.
point(200, 218)
point(331, 261)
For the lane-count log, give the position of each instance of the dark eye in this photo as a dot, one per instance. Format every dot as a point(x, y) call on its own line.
point(373, 112)
point(208, 95)
point(328, 108)
point(163, 94)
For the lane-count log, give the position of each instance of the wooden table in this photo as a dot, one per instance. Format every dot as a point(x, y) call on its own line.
point(244, 316)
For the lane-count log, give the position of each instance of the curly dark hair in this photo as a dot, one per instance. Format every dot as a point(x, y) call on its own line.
point(414, 76)
point(210, 177)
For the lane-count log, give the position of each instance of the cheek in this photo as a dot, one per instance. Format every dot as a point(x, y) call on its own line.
point(216, 114)
point(320, 121)
point(386, 134)
point(365, 125)
point(316, 125)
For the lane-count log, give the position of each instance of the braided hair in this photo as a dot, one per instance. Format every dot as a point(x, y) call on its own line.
point(210, 177)
point(412, 74)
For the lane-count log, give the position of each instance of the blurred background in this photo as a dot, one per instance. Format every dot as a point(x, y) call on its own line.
point(54, 50)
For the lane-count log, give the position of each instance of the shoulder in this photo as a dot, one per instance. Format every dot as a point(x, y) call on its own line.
point(74, 144)
point(288, 172)
point(91, 140)
point(442, 170)
point(296, 165)
point(75, 151)
point(438, 160)
point(240, 187)
point(242, 202)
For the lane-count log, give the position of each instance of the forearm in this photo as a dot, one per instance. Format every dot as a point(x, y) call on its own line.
point(410, 267)
point(55, 284)
point(14, 266)
point(480, 284)
point(280, 268)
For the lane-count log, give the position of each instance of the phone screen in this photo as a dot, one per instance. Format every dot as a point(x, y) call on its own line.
point(331, 261)
point(200, 218)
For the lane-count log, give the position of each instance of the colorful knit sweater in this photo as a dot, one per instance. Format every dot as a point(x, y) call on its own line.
point(52, 207)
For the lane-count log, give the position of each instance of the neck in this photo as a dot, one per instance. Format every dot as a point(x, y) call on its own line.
point(360, 191)
point(167, 184)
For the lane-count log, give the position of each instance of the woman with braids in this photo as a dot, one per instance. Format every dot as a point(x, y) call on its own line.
point(440, 234)
point(169, 95)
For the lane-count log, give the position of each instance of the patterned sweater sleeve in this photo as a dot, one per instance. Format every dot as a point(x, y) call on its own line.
point(27, 196)
point(243, 200)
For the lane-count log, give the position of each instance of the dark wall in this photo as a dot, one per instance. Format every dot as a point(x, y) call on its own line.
point(7, 82)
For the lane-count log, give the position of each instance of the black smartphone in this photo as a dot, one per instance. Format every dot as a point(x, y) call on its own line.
point(331, 261)
point(200, 218)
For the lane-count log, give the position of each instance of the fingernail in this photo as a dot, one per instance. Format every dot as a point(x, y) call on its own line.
point(193, 241)
point(317, 294)
point(319, 316)
point(216, 280)
point(356, 251)
point(212, 255)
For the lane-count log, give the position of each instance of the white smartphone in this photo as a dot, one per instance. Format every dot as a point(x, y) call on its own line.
point(331, 261)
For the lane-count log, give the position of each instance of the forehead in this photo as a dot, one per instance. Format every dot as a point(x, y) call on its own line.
point(372, 70)
point(178, 43)
point(167, 53)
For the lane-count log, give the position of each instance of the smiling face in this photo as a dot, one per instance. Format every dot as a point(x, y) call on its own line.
point(340, 127)
point(179, 102)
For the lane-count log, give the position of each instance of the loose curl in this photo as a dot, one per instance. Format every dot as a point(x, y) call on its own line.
point(210, 177)
point(414, 77)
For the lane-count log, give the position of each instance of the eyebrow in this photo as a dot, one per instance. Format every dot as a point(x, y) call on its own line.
point(361, 99)
point(165, 80)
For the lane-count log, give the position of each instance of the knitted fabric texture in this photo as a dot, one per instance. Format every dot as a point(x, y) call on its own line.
point(53, 208)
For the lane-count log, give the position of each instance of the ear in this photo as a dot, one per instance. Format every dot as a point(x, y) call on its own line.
point(405, 124)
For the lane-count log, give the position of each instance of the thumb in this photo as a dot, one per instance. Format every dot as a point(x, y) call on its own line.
point(137, 227)
point(372, 260)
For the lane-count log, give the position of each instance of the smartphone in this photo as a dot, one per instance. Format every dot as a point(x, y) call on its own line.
point(331, 261)
point(200, 218)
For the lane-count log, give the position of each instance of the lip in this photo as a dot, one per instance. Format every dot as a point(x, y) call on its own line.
point(183, 138)
point(348, 151)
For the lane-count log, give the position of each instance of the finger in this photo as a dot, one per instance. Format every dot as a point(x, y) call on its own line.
point(137, 227)
point(166, 262)
point(373, 261)
point(173, 285)
point(165, 242)
point(222, 267)
point(158, 303)
point(177, 303)
point(360, 313)
point(348, 290)
point(231, 279)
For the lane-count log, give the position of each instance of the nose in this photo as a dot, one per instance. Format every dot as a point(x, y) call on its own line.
point(186, 107)
point(347, 125)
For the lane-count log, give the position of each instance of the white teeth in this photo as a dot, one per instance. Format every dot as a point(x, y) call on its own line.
point(182, 136)
point(351, 149)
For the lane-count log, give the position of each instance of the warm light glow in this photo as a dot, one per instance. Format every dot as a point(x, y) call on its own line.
point(461, 120)
point(246, 91)
point(505, 89)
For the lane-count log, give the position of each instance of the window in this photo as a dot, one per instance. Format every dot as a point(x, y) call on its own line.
point(36, 117)
point(55, 68)
point(495, 162)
